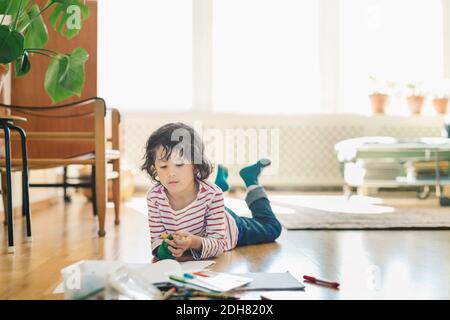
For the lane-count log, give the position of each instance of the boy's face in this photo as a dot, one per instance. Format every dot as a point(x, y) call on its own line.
point(176, 174)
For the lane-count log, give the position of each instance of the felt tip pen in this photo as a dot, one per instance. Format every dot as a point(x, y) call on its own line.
point(214, 295)
point(169, 293)
point(322, 282)
point(182, 280)
point(200, 274)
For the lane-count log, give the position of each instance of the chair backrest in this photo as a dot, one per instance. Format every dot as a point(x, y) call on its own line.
point(63, 121)
point(60, 128)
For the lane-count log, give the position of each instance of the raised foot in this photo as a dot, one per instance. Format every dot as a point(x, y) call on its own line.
point(264, 162)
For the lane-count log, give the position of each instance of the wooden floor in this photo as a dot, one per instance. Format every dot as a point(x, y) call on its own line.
point(368, 264)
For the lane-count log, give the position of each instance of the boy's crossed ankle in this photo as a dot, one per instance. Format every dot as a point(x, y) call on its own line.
point(250, 174)
point(221, 178)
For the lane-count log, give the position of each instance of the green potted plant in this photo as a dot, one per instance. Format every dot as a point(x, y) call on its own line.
point(26, 34)
point(415, 97)
point(379, 94)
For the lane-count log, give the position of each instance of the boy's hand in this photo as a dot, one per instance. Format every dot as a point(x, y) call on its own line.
point(182, 241)
point(178, 245)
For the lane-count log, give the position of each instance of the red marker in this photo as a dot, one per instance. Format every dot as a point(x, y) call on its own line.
point(322, 282)
point(200, 274)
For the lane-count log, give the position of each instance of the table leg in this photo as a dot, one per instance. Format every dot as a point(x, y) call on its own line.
point(25, 184)
point(8, 187)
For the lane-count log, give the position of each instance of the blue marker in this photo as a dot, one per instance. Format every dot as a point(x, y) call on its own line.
point(188, 276)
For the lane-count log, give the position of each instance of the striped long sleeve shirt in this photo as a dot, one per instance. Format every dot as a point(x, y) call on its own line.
point(205, 217)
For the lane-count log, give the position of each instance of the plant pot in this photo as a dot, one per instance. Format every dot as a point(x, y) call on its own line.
point(3, 72)
point(378, 102)
point(440, 105)
point(415, 104)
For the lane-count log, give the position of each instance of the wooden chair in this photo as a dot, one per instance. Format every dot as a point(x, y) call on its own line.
point(73, 134)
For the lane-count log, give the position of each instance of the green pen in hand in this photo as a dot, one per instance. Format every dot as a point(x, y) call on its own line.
point(163, 251)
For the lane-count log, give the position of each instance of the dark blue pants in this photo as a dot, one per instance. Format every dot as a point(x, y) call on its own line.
point(263, 226)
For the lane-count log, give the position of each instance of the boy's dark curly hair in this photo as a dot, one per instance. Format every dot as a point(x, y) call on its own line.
point(184, 140)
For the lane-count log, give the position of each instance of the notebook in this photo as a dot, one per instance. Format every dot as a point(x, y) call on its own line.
point(209, 280)
point(270, 281)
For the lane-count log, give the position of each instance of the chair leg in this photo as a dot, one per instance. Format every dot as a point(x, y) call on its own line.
point(94, 196)
point(8, 189)
point(4, 198)
point(116, 192)
point(67, 198)
point(100, 166)
point(25, 184)
point(100, 193)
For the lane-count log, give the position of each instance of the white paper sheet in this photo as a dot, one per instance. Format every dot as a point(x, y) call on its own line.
point(98, 270)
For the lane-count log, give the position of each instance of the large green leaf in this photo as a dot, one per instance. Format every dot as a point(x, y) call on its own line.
point(36, 34)
point(11, 44)
point(74, 78)
point(67, 16)
point(11, 7)
point(66, 75)
point(23, 65)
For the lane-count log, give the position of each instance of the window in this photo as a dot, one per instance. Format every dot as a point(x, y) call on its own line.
point(400, 41)
point(265, 56)
point(145, 54)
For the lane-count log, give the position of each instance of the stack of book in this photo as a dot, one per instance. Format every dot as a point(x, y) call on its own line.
point(425, 170)
point(372, 170)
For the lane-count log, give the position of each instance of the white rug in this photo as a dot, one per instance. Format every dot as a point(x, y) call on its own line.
point(338, 212)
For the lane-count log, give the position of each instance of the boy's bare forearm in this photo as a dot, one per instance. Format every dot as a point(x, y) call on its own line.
point(187, 256)
point(196, 243)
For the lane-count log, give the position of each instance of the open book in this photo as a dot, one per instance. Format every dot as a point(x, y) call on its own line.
point(89, 276)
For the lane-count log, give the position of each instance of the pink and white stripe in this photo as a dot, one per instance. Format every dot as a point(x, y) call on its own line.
point(205, 217)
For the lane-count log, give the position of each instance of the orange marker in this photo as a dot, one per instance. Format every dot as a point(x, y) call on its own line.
point(169, 293)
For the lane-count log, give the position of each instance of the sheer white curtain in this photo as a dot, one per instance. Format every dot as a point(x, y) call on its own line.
point(145, 54)
point(266, 56)
point(399, 41)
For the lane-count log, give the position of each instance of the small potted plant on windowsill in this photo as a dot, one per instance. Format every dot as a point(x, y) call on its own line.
point(441, 96)
point(440, 104)
point(415, 97)
point(26, 34)
point(379, 94)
